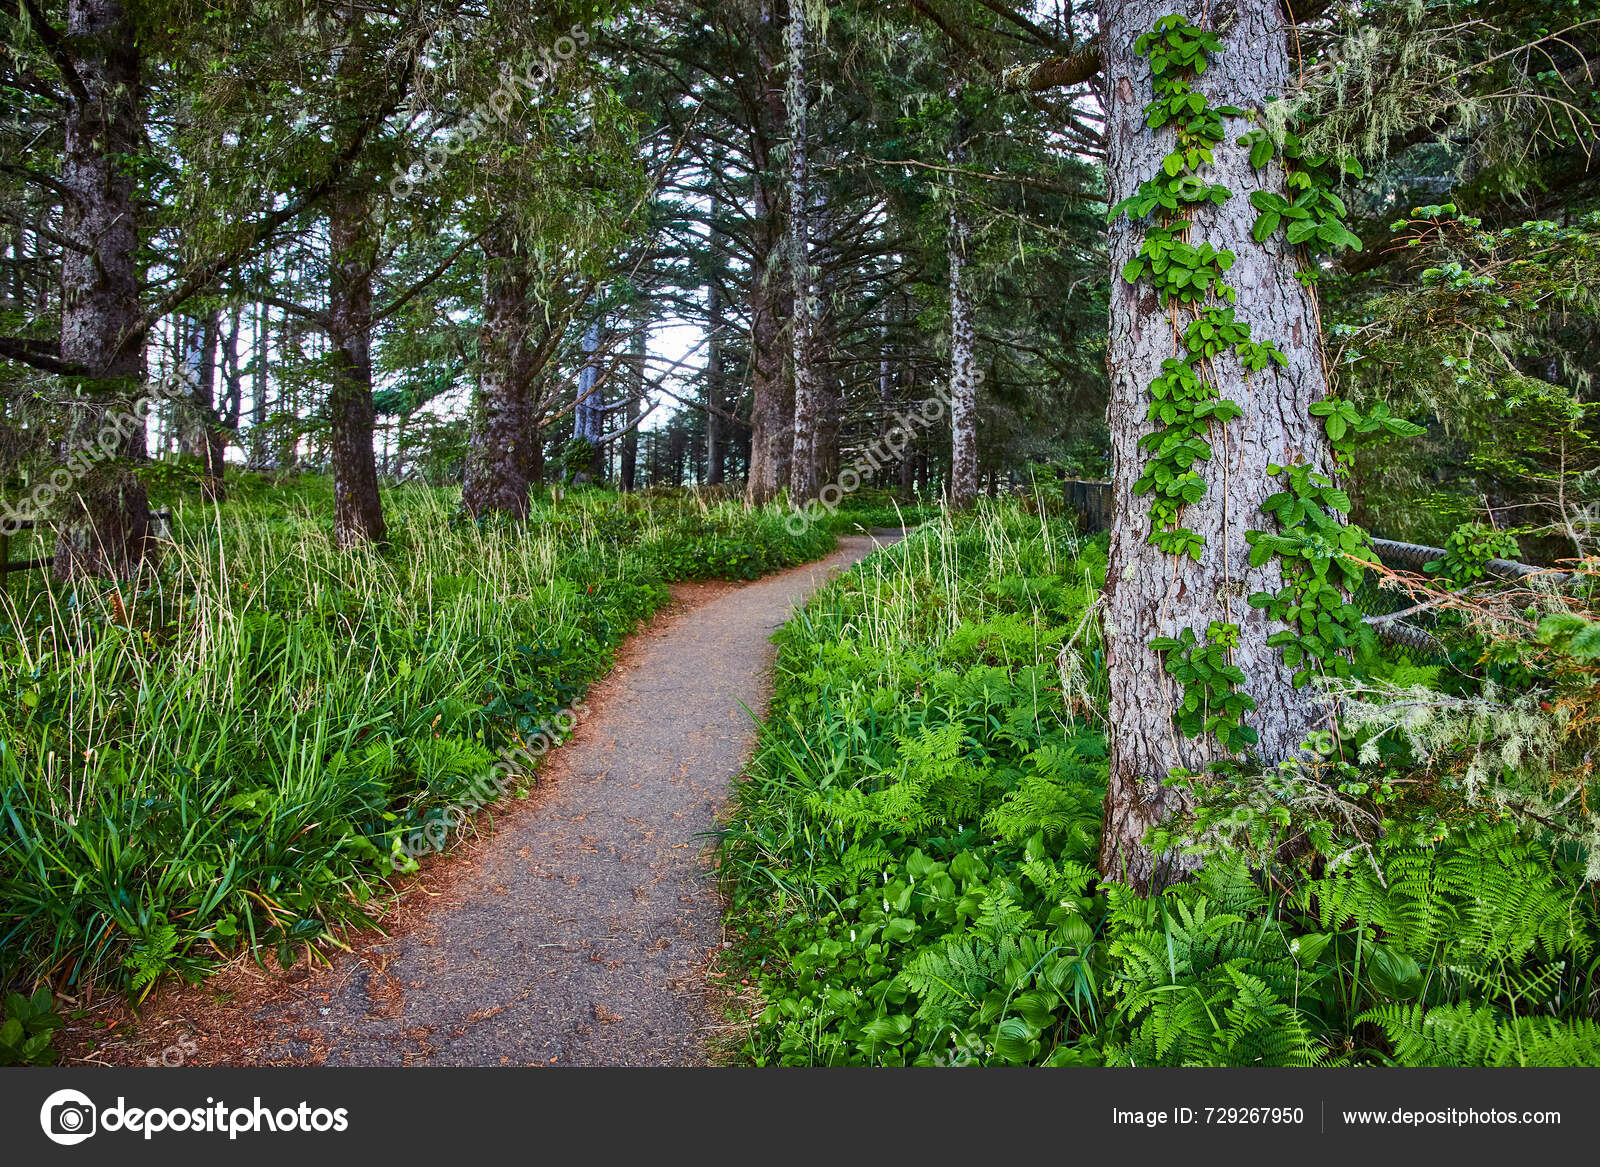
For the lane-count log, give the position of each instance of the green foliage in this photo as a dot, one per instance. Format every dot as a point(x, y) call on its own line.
point(910, 861)
point(229, 758)
point(27, 1028)
point(576, 458)
point(729, 543)
point(1318, 552)
point(1467, 550)
point(1460, 1035)
point(1213, 699)
point(1312, 216)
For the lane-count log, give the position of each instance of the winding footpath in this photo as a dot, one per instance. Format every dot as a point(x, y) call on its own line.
point(581, 931)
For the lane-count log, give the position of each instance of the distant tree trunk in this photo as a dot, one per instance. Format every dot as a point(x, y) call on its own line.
point(198, 433)
point(259, 455)
point(288, 439)
point(803, 481)
point(199, 346)
point(590, 412)
point(677, 449)
point(714, 387)
point(497, 462)
point(358, 511)
point(19, 260)
point(1151, 593)
point(630, 440)
point(963, 372)
point(222, 419)
point(106, 514)
point(881, 476)
point(963, 342)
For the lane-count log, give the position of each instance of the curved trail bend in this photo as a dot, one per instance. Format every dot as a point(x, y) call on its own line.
point(579, 933)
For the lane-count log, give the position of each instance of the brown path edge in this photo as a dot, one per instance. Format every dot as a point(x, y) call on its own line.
point(580, 931)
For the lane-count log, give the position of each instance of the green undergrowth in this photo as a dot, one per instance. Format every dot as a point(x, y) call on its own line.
point(910, 864)
point(226, 752)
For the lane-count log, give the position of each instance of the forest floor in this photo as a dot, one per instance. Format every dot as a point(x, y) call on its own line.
point(584, 930)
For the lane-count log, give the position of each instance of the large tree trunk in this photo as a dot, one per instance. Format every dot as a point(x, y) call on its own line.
point(771, 398)
point(106, 514)
point(496, 474)
point(358, 512)
point(803, 481)
point(1151, 593)
point(771, 436)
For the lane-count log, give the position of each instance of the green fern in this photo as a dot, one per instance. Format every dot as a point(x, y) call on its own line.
point(1466, 1035)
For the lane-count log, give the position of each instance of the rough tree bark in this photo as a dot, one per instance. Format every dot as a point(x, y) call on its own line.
point(963, 370)
point(1150, 593)
point(358, 512)
point(496, 474)
point(106, 514)
point(803, 483)
point(771, 435)
point(963, 339)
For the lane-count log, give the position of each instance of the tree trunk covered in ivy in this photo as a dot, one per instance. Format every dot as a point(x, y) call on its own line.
point(358, 513)
point(497, 463)
point(1151, 593)
point(803, 483)
point(106, 515)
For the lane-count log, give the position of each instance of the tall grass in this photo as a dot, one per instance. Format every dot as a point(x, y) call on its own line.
point(225, 750)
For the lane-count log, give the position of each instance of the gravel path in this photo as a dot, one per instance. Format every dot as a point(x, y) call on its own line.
point(579, 934)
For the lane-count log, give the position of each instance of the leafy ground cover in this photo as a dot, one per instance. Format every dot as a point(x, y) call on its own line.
point(911, 862)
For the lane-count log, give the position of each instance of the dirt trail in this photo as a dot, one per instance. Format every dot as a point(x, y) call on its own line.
point(579, 933)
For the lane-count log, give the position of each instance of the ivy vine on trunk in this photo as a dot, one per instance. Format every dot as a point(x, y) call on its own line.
point(1217, 385)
